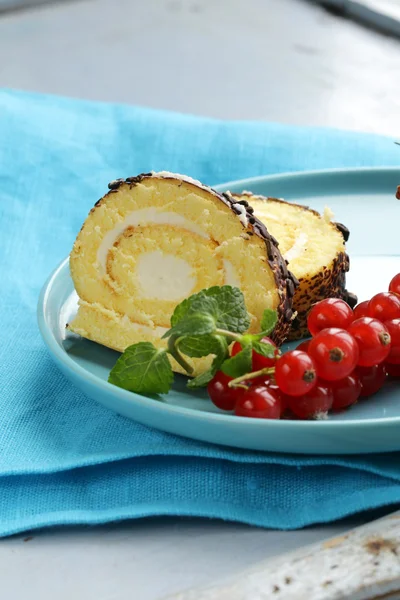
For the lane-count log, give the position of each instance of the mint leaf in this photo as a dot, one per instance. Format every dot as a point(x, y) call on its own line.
point(219, 347)
point(267, 350)
point(204, 378)
point(204, 345)
point(225, 304)
point(202, 304)
point(194, 324)
point(240, 364)
point(232, 313)
point(268, 321)
point(197, 303)
point(143, 369)
point(186, 318)
point(181, 310)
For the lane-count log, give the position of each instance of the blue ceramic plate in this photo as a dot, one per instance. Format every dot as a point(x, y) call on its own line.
point(364, 200)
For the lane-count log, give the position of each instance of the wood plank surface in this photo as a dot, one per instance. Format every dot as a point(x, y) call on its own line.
point(363, 564)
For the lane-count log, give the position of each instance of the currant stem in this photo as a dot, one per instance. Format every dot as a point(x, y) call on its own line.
point(239, 385)
point(248, 376)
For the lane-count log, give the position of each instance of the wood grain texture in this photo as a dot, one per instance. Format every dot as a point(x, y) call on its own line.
point(363, 564)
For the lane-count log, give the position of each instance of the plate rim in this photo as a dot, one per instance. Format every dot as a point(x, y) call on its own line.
point(290, 175)
point(62, 356)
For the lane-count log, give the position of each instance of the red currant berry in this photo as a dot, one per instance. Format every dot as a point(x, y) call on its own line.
point(331, 312)
point(221, 395)
point(260, 403)
point(361, 310)
point(316, 403)
point(394, 285)
point(392, 370)
point(295, 373)
point(303, 346)
point(346, 391)
point(371, 379)
point(258, 360)
point(335, 353)
point(273, 387)
point(373, 341)
point(236, 348)
point(384, 306)
point(393, 328)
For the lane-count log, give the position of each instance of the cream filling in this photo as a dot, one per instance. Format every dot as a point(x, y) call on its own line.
point(231, 277)
point(242, 214)
point(298, 247)
point(143, 216)
point(164, 276)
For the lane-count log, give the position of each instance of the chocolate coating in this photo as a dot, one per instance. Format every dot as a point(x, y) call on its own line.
point(351, 299)
point(115, 184)
point(344, 231)
point(290, 288)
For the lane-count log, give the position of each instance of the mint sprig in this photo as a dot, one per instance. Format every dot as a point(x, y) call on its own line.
point(144, 369)
point(225, 305)
point(204, 378)
point(193, 324)
point(202, 325)
point(198, 346)
point(218, 347)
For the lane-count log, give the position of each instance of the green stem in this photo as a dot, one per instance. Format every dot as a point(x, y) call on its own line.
point(232, 336)
point(173, 349)
point(248, 376)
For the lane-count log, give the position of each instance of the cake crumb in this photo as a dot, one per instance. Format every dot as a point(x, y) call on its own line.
point(328, 214)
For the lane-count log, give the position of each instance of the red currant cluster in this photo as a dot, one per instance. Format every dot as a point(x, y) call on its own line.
point(348, 357)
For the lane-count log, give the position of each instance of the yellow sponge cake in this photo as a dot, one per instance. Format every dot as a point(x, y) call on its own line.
point(155, 239)
point(314, 247)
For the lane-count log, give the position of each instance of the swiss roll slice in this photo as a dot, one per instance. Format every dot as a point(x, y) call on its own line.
point(155, 239)
point(314, 247)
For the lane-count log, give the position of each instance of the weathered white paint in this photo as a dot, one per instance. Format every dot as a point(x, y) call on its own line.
point(363, 564)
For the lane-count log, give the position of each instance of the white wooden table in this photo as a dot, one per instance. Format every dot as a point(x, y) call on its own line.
point(283, 60)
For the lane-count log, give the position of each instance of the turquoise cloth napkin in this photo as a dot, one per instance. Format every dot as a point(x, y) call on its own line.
point(63, 458)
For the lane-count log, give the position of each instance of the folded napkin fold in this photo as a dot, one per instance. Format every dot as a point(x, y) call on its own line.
point(65, 459)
